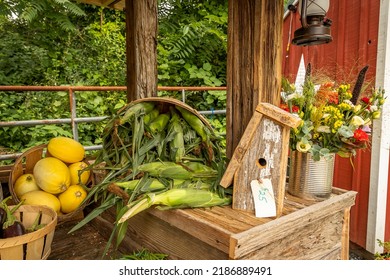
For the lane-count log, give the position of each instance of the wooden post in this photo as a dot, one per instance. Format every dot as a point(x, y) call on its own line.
point(141, 48)
point(254, 62)
point(379, 172)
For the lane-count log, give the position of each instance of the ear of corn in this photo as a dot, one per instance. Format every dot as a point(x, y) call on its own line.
point(165, 170)
point(159, 123)
point(198, 167)
point(172, 170)
point(177, 144)
point(144, 107)
point(201, 129)
point(148, 118)
point(177, 198)
point(195, 123)
point(153, 185)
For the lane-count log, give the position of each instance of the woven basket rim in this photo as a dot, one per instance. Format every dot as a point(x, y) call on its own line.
point(32, 236)
point(173, 101)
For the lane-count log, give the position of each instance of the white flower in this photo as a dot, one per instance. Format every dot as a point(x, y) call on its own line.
point(292, 96)
point(357, 121)
point(323, 129)
point(349, 102)
point(302, 147)
point(373, 108)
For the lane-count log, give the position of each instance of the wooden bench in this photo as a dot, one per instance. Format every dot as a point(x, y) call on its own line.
point(306, 230)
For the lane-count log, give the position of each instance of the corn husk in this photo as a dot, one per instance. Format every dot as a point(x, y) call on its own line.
point(176, 198)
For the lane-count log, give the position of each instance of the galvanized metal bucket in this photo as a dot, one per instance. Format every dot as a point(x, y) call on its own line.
point(310, 179)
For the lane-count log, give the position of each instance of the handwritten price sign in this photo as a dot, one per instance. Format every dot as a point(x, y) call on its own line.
point(264, 200)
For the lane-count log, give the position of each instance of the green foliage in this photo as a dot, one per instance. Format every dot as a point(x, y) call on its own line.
point(192, 43)
point(61, 42)
point(144, 254)
point(386, 250)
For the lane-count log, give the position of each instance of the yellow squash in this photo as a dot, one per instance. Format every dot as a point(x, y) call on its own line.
point(24, 184)
point(66, 149)
point(72, 198)
point(75, 169)
point(41, 198)
point(52, 175)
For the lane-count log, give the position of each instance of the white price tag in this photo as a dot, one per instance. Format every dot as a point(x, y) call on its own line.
point(263, 195)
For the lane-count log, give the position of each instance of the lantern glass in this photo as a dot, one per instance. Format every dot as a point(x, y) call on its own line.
point(315, 7)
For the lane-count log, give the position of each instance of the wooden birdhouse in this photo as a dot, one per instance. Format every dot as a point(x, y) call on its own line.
point(262, 155)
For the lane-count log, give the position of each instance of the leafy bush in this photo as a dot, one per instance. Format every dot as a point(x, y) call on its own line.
point(192, 46)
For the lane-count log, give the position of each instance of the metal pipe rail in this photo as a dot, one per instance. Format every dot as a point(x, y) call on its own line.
point(74, 120)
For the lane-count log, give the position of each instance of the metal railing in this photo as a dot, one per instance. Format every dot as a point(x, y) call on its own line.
point(74, 120)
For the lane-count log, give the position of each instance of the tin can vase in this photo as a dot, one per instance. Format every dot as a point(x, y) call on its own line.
point(308, 178)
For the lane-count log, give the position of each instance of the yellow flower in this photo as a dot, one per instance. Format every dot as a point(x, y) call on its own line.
point(376, 115)
point(357, 108)
point(344, 106)
point(303, 147)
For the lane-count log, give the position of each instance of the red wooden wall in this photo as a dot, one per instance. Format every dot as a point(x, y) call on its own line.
point(355, 38)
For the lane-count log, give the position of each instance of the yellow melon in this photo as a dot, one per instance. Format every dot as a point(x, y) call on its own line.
point(72, 198)
point(75, 169)
point(25, 183)
point(52, 175)
point(41, 198)
point(66, 149)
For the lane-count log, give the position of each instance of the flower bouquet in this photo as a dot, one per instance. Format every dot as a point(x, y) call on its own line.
point(334, 121)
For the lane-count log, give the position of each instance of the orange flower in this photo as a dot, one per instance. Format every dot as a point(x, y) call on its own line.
point(326, 95)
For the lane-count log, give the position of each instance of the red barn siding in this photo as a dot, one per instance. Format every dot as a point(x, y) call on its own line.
point(355, 40)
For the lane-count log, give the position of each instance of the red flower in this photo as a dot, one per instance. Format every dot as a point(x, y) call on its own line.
point(360, 135)
point(366, 100)
point(294, 109)
point(284, 107)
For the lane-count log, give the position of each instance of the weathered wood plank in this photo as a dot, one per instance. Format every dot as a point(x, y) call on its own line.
point(313, 241)
point(148, 231)
point(345, 234)
point(279, 115)
point(240, 150)
point(257, 237)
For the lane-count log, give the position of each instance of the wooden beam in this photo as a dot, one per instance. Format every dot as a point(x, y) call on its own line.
point(254, 62)
point(141, 48)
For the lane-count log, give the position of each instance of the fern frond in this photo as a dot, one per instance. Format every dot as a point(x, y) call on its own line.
point(32, 10)
point(72, 8)
point(64, 22)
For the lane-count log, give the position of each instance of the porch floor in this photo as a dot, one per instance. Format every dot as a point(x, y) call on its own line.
point(85, 243)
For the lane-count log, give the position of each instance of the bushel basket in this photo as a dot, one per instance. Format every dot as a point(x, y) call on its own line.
point(35, 245)
point(24, 164)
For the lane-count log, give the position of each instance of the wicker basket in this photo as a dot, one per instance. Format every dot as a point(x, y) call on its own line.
point(163, 104)
point(35, 245)
point(25, 164)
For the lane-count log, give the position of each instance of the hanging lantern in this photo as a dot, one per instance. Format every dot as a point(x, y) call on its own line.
point(315, 28)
